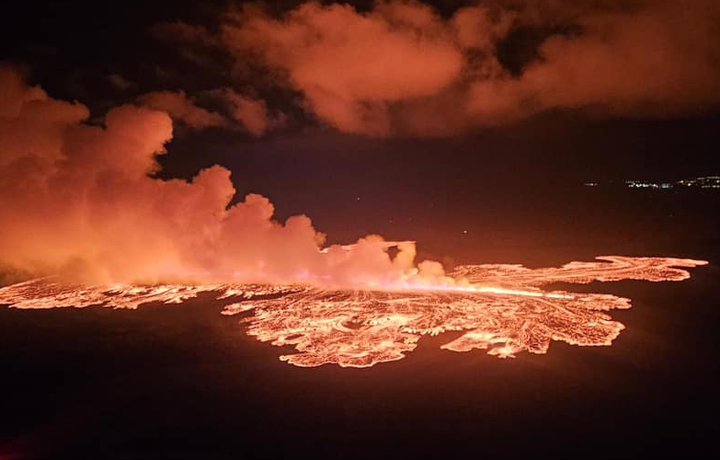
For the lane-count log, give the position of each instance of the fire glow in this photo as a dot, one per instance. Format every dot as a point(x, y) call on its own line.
point(500, 308)
point(119, 234)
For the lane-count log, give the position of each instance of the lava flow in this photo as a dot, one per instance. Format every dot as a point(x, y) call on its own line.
point(501, 308)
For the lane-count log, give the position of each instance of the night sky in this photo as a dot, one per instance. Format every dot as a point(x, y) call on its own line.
point(72, 49)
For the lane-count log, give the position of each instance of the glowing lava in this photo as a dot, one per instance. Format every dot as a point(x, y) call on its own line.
point(500, 307)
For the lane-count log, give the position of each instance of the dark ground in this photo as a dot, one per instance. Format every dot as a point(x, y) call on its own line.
point(184, 382)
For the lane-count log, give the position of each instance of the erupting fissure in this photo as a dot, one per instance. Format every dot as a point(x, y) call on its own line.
point(118, 230)
point(501, 308)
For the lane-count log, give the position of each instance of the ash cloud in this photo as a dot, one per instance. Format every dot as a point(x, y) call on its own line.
point(403, 68)
point(82, 201)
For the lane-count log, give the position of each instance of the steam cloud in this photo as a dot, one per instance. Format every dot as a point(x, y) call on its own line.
point(403, 68)
point(80, 199)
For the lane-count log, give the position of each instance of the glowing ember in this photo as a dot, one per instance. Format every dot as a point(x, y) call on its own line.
point(501, 308)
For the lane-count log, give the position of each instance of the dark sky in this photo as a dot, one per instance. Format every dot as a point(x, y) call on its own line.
point(71, 47)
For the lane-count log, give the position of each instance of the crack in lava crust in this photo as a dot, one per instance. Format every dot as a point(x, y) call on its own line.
point(501, 308)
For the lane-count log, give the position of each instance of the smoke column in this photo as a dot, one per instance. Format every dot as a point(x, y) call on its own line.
point(81, 201)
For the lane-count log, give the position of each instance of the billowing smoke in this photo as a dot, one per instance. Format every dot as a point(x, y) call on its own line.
point(401, 67)
point(80, 200)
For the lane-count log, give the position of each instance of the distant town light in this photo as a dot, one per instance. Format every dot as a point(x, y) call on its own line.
point(702, 182)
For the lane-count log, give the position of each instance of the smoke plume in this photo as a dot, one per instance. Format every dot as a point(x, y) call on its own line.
point(81, 200)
